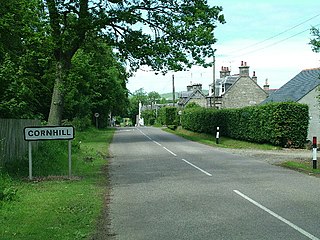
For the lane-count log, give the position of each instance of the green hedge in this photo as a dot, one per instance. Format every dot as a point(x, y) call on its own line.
point(168, 116)
point(281, 124)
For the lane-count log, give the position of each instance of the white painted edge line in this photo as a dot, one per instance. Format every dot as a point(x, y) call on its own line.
point(205, 172)
point(170, 151)
point(305, 233)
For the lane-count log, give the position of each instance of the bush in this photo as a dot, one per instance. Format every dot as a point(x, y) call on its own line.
point(281, 124)
point(7, 191)
point(149, 117)
point(168, 116)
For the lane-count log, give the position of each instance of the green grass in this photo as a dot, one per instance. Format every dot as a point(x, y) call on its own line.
point(57, 208)
point(301, 166)
point(224, 142)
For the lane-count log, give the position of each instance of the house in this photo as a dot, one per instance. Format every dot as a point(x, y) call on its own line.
point(194, 94)
point(236, 91)
point(303, 88)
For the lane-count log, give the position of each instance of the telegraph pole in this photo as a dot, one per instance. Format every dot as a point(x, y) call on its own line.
point(213, 100)
point(173, 91)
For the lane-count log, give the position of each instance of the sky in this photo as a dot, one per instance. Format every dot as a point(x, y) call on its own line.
point(271, 36)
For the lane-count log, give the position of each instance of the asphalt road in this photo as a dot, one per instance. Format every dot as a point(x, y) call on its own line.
point(166, 187)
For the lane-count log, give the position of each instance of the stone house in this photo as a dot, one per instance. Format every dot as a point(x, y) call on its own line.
point(237, 91)
point(303, 88)
point(194, 94)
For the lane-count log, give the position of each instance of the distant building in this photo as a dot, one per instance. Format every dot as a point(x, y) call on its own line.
point(194, 94)
point(236, 91)
point(303, 88)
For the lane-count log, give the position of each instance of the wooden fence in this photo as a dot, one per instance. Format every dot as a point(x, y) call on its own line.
point(12, 144)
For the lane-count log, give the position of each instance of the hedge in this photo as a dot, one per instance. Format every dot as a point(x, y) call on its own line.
point(281, 124)
point(168, 116)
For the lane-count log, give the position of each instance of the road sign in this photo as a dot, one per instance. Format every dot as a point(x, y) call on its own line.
point(48, 133)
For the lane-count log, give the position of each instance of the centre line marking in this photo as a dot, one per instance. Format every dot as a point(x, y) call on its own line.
point(170, 151)
point(157, 143)
point(305, 233)
point(205, 172)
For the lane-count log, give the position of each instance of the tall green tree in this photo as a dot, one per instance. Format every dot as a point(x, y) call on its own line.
point(25, 55)
point(96, 83)
point(166, 35)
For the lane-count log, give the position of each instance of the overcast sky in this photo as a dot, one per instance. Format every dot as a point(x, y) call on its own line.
point(271, 36)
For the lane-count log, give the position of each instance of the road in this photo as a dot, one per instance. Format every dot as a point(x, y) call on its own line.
point(166, 187)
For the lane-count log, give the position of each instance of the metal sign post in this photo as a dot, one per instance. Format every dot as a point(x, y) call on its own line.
point(97, 115)
point(48, 133)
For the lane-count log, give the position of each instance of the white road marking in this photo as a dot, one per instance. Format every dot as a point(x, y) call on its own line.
point(305, 233)
point(170, 151)
point(157, 143)
point(205, 172)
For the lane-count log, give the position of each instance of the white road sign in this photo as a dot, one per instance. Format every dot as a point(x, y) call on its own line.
point(48, 133)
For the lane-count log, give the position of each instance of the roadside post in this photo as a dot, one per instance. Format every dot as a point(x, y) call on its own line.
point(217, 136)
point(97, 115)
point(48, 133)
point(314, 152)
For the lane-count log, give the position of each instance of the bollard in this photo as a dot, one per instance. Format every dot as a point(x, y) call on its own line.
point(314, 152)
point(217, 136)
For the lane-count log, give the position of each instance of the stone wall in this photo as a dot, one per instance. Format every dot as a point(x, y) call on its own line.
point(244, 92)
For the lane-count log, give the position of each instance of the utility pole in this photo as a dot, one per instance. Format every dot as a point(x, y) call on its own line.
point(213, 99)
point(173, 91)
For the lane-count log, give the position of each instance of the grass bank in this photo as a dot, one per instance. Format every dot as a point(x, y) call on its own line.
point(224, 142)
point(54, 207)
point(301, 166)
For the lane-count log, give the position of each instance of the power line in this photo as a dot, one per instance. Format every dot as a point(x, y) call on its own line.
point(275, 43)
point(274, 36)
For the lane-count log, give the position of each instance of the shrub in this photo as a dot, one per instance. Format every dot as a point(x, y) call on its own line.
point(168, 116)
point(282, 124)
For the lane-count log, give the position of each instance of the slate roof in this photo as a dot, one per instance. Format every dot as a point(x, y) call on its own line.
point(186, 96)
point(297, 87)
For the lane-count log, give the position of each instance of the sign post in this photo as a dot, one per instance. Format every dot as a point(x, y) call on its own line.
point(97, 115)
point(48, 133)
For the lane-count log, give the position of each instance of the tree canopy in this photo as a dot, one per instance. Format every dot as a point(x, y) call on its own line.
point(79, 52)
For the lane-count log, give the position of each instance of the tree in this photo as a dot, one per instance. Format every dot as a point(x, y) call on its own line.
point(153, 97)
point(166, 35)
point(24, 59)
point(316, 41)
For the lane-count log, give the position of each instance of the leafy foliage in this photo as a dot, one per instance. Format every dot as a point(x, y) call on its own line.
point(281, 124)
point(168, 116)
point(316, 41)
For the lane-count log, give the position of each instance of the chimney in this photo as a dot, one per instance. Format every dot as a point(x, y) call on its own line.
point(254, 77)
point(266, 86)
point(224, 72)
point(244, 69)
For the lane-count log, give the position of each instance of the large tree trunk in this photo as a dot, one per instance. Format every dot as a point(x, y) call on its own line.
point(57, 101)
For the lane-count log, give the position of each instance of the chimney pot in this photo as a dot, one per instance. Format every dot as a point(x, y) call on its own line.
point(241, 63)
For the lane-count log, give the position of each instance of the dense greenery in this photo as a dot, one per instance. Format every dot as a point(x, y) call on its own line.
point(168, 116)
point(68, 59)
point(281, 124)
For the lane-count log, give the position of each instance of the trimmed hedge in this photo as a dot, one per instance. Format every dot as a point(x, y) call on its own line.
point(168, 116)
point(281, 124)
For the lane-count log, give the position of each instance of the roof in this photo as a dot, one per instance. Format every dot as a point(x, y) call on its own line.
point(186, 96)
point(297, 87)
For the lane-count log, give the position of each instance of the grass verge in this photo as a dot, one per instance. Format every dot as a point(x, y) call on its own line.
point(301, 166)
point(224, 142)
point(57, 208)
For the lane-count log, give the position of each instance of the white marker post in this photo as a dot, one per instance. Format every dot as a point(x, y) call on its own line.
point(48, 133)
point(217, 136)
point(314, 152)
